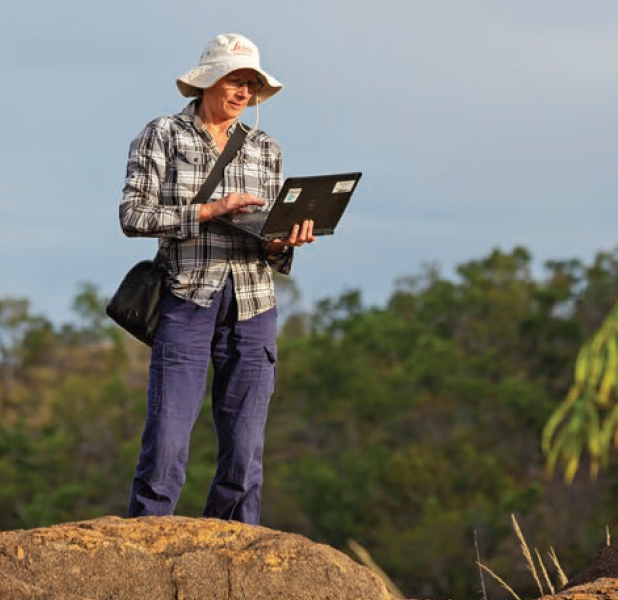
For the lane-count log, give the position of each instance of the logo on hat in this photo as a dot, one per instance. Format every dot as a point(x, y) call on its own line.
point(239, 48)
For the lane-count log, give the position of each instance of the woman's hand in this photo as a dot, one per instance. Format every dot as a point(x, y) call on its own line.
point(230, 204)
point(300, 234)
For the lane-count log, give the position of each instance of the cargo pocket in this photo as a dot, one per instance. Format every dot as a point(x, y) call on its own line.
point(271, 355)
point(177, 382)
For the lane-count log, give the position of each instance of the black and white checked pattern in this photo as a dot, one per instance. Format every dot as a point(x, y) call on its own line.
point(168, 162)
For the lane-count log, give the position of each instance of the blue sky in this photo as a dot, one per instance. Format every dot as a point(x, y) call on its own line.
point(476, 123)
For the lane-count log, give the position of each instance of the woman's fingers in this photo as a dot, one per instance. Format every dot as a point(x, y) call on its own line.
point(301, 234)
point(305, 235)
point(235, 202)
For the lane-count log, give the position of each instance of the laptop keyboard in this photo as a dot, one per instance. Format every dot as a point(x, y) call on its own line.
point(253, 221)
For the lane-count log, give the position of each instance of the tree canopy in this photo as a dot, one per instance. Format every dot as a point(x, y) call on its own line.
point(406, 427)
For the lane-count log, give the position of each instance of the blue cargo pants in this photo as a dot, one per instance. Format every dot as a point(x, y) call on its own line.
point(243, 355)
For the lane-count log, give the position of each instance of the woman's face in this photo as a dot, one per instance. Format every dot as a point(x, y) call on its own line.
point(225, 100)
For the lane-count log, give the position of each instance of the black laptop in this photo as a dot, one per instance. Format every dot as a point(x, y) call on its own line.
point(321, 198)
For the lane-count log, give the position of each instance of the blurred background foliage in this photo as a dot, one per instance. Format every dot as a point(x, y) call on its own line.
point(407, 427)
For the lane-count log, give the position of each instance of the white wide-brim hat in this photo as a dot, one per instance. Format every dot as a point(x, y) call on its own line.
point(222, 55)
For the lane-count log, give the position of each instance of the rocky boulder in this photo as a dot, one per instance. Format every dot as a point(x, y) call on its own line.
point(599, 581)
point(176, 558)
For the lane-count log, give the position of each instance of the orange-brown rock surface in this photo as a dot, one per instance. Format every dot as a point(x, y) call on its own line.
point(176, 558)
point(599, 581)
point(600, 589)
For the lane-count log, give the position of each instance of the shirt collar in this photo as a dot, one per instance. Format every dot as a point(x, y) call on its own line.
point(191, 115)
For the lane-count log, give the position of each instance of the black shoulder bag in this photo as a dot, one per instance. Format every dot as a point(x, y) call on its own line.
point(137, 302)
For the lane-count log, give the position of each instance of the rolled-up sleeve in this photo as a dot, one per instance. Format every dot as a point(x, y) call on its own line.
point(142, 212)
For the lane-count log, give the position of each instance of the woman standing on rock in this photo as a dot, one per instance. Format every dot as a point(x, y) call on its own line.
point(220, 302)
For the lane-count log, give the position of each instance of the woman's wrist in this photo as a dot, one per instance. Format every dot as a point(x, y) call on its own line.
point(275, 248)
point(206, 213)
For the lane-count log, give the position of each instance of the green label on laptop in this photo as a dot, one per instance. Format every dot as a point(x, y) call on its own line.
point(293, 194)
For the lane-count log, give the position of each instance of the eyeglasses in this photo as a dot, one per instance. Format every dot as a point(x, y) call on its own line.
point(254, 85)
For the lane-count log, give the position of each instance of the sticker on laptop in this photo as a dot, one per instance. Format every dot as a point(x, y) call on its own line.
point(342, 187)
point(293, 194)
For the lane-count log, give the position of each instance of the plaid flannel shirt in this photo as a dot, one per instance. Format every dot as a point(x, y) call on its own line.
point(168, 162)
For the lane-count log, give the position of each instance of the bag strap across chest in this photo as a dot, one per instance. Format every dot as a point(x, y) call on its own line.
point(216, 173)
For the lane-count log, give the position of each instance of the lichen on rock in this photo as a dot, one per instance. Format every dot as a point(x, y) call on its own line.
point(176, 558)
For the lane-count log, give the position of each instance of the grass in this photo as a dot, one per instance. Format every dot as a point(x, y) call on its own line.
point(531, 566)
point(365, 558)
point(548, 588)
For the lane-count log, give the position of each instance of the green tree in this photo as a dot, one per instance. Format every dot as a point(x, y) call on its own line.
point(406, 427)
